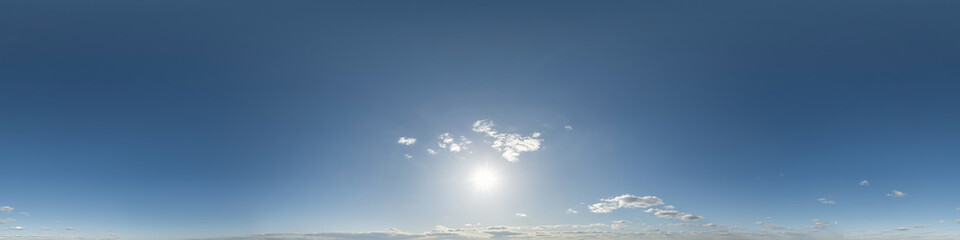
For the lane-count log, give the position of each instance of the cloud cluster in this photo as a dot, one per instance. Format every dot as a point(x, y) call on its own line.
point(511, 144)
point(625, 201)
point(407, 141)
point(447, 142)
point(630, 201)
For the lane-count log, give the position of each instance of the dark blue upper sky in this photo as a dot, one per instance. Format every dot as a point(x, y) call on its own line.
point(158, 120)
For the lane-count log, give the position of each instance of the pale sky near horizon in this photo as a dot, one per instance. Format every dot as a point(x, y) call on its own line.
point(479, 119)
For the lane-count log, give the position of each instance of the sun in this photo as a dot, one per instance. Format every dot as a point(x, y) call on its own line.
point(485, 179)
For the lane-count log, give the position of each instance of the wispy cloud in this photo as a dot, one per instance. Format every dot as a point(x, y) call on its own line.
point(819, 224)
point(408, 156)
point(674, 214)
point(864, 183)
point(825, 201)
point(7, 220)
point(407, 141)
point(16, 228)
point(6, 209)
point(568, 127)
point(431, 151)
point(511, 144)
point(521, 214)
point(571, 211)
point(896, 193)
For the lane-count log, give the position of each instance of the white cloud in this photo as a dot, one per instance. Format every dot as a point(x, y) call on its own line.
point(407, 156)
point(571, 211)
point(625, 201)
point(621, 221)
point(68, 228)
point(6, 209)
point(568, 127)
point(16, 228)
point(674, 214)
point(864, 183)
point(690, 218)
point(896, 193)
point(7, 220)
point(630, 201)
point(431, 151)
point(603, 207)
point(24, 213)
point(511, 144)
point(668, 207)
point(407, 141)
point(825, 201)
point(521, 214)
point(447, 142)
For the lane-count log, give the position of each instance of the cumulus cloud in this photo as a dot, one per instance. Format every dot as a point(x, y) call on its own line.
point(521, 214)
point(630, 201)
point(6, 209)
point(431, 151)
point(571, 211)
point(825, 201)
point(449, 143)
point(625, 201)
point(896, 193)
point(864, 183)
point(407, 141)
point(511, 144)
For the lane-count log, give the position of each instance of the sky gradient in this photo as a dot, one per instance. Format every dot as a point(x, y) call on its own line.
point(376, 119)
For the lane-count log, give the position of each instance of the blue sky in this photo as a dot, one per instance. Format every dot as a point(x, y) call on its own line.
point(619, 120)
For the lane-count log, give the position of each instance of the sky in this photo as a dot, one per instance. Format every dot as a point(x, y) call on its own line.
point(479, 119)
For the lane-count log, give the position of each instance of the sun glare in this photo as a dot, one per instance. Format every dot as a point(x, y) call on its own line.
point(484, 179)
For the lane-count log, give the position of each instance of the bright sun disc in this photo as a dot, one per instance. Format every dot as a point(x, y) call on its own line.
point(484, 179)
